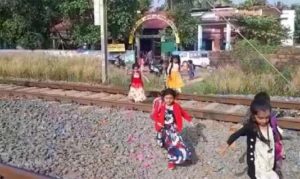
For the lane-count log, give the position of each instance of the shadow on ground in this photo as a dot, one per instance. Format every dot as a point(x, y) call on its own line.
point(191, 136)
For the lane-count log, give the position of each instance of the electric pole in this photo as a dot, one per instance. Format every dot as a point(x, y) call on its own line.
point(103, 32)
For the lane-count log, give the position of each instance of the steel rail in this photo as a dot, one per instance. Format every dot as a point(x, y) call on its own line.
point(98, 88)
point(11, 172)
point(288, 123)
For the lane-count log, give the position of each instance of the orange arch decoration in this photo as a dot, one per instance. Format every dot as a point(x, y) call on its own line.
point(152, 17)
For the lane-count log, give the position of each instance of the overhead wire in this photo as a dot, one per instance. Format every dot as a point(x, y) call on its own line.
point(253, 46)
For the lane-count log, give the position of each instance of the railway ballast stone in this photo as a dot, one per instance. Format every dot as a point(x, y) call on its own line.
point(73, 141)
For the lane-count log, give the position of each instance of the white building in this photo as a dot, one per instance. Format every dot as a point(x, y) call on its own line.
point(288, 21)
point(215, 33)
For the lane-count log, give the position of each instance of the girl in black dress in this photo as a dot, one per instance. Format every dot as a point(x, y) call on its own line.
point(264, 146)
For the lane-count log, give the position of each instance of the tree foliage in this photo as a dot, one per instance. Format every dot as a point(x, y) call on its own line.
point(250, 61)
point(28, 22)
point(186, 24)
point(266, 30)
point(80, 14)
point(121, 16)
point(144, 5)
point(251, 3)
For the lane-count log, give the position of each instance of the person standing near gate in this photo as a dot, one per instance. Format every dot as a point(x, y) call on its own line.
point(141, 62)
point(174, 79)
point(191, 69)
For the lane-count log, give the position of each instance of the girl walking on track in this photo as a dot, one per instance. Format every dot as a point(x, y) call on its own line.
point(265, 97)
point(168, 115)
point(264, 142)
point(174, 79)
point(136, 91)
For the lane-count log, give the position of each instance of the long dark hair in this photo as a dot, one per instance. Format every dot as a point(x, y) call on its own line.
point(135, 65)
point(256, 106)
point(171, 62)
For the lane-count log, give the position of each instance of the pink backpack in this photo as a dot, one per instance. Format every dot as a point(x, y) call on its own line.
point(278, 143)
point(157, 102)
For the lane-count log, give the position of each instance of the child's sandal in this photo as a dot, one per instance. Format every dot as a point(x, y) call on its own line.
point(171, 165)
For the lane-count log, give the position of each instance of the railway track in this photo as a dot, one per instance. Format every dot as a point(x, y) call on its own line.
point(10, 172)
point(227, 109)
point(198, 109)
point(97, 88)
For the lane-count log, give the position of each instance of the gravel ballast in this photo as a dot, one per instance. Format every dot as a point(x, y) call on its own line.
point(73, 141)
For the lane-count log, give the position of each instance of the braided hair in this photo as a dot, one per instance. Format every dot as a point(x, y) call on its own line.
point(177, 57)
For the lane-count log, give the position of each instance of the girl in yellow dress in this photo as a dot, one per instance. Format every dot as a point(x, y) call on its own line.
point(174, 79)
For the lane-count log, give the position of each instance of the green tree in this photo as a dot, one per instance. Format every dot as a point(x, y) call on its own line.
point(26, 23)
point(144, 5)
point(121, 15)
point(251, 3)
point(80, 14)
point(186, 24)
point(266, 30)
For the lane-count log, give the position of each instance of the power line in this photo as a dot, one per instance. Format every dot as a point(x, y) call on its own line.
point(253, 46)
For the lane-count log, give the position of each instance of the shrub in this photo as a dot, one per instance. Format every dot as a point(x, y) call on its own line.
point(249, 59)
point(233, 80)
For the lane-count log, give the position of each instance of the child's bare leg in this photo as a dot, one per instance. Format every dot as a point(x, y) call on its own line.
point(283, 152)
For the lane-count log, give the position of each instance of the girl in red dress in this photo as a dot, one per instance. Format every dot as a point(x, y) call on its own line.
point(136, 91)
point(168, 116)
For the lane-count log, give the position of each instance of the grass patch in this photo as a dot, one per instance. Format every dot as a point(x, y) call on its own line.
point(226, 80)
point(72, 69)
point(233, 80)
point(252, 74)
point(42, 67)
point(249, 60)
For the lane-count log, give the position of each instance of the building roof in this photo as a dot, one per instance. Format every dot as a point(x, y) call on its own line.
point(216, 13)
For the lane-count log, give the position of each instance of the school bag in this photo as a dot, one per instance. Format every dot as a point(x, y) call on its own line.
point(278, 144)
point(157, 103)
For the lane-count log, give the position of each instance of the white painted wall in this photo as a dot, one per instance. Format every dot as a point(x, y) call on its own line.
point(288, 21)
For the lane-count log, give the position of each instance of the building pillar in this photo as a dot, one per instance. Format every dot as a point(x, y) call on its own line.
point(216, 45)
point(222, 38)
point(53, 44)
point(200, 37)
point(138, 46)
point(228, 37)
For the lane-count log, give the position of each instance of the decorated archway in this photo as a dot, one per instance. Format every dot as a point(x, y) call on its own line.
point(154, 17)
